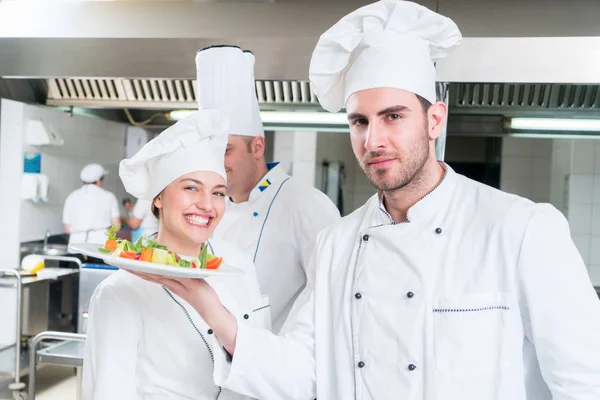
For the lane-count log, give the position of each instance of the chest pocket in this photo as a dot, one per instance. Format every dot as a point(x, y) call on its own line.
point(476, 334)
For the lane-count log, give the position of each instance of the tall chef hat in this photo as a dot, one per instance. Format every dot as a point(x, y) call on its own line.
point(225, 78)
point(390, 43)
point(194, 143)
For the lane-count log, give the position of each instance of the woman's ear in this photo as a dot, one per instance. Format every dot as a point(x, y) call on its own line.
point(157, 202)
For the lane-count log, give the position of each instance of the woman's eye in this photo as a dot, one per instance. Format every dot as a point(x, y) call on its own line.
point(220, 194)
point(191, 188)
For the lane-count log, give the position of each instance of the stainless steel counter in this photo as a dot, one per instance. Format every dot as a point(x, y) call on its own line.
point(56, 274)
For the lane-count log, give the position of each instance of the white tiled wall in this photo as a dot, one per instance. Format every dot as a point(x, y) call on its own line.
point(86, 140)
point(565, 173)
point(304, 164)
point(283, 149)
point(295, 151)
point(525, 168)
point(562, 154)
point(336, 147)
point(11, 167)
point(584, 203)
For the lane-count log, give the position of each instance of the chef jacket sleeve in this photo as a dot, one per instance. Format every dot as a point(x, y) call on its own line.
point(560, 308)
point(311, 217)
point(114, 207)
point(267, 366)
point(67, 211)
point(141, 209)
point(110, 358)
point(260, 307)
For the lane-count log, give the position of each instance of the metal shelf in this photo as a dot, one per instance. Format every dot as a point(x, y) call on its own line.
point(68, 353)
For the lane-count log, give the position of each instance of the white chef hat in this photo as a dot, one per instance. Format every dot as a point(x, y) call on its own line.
point(391, 43)
point(194, 143)
point(92, 173)
point(225, 81)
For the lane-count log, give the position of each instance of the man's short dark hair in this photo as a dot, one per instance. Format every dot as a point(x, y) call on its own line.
point(424, 103)
point(248, 140)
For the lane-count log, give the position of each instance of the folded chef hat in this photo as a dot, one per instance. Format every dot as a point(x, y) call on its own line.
point(194, 143)
point(391, 43)
point(92, 173)
point(225, 77)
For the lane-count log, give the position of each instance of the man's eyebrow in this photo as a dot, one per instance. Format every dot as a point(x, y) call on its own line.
point(388, 110)
point(352, 116)
point(393, 109)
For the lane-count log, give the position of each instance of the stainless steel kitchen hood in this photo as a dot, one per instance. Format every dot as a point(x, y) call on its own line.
point(159, 39)
point(140, 55)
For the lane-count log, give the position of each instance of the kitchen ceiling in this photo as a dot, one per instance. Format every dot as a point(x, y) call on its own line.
point(139, 55)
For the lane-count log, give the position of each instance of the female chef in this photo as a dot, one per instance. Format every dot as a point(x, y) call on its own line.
point(145, 342)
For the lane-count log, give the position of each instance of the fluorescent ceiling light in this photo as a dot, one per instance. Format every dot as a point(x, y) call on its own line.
point(555, 124)
point(180, 114)
point(567, 136)
point(287, 117)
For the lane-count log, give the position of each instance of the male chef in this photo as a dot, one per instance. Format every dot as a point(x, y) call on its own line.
point(90, 210)
point(439, 287)
point(271, 216)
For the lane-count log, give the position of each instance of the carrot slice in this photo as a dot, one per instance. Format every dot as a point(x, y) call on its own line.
point(111, 244)
point(146, 255)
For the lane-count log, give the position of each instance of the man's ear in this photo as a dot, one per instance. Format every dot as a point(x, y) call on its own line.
point(258, 147)
point(436, 119)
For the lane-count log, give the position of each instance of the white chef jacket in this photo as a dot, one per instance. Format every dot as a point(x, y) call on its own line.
point(482, 295)
point(143, 210)
point(90, 211)
point(278, 227)
point(144, 342)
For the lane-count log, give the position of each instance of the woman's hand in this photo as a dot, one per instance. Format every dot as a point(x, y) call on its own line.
point(200, 295)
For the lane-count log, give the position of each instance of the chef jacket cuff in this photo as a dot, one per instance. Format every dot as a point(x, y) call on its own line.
point(228, 369)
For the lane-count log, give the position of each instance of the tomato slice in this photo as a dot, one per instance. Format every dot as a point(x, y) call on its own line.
point(128, 254)
point(214, 263)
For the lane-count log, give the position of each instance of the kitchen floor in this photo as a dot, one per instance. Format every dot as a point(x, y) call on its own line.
point(56, 383)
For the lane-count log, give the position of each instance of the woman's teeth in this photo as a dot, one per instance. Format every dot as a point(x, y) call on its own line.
point(195, 220)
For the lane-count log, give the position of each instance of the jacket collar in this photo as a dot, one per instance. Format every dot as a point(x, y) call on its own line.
point(424, 211)
point(274, 176)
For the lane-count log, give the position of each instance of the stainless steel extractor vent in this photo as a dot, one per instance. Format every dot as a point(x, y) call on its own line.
point(162, 93)
point(525, 96)
point(465, 98)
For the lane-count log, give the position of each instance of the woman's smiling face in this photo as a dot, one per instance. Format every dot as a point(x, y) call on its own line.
point(190, 209)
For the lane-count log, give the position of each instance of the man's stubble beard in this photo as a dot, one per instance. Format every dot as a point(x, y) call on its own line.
point(408, 172)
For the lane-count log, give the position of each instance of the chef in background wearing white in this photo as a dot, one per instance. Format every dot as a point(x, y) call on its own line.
point(90, 210)
point(439, 287)
point(270, 215)
point(142, 222)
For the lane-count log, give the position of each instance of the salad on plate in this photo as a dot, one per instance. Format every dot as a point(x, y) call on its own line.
point(148, 250)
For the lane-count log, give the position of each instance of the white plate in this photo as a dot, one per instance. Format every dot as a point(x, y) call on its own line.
point(91, 250)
